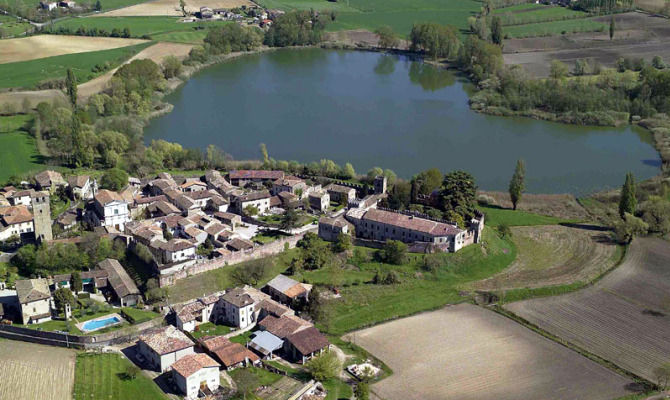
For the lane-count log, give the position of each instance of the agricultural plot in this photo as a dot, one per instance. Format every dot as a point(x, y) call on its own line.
point(552, 28)
point(171, 7)
point(525, 14)
point(623, 318)
point(30, 371)
point(43, 46)
point(18, 151)
point(555, 255)
point(465, 352)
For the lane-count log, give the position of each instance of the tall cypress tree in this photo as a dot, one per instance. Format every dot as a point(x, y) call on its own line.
point(612, 28)
point(71, 85)
point(628, 202)
point(496, 31)
point(517, 184)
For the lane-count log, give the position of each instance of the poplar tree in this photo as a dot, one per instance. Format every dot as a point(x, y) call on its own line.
point(517, 184)
point(496, 31)
point(628, 202)
point(71, 85)
point(612, 28)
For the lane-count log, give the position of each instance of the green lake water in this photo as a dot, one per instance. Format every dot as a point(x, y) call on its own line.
point(372, 109)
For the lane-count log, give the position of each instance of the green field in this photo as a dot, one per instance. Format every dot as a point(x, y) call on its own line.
point(189, 37)
point(10, 27)
point(27, 74)
point(101, 376)
point(210, 329)
point(114, 4)
point(554, 28)
point(496, 216)
point(139, 26)
point(18, 150)
point(135, 316)
point(400, 15)
point(364, 303)
point(540, 14)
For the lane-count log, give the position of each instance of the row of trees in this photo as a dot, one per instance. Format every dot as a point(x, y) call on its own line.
point(83, 31)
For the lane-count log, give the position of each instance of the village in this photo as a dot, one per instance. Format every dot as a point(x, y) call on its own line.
point(189, 226)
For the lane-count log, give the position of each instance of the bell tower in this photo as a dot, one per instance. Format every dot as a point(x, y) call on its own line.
point(41, 216)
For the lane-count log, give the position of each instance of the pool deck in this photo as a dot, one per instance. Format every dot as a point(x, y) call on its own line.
point(80, 325)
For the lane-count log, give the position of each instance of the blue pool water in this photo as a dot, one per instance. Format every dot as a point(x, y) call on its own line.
point(100, 323)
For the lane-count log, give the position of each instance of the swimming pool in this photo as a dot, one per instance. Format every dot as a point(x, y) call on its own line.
point(100, 323)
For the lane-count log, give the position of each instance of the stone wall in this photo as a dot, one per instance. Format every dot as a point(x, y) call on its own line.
point(258, 252)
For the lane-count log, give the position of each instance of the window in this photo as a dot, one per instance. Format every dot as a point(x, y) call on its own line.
point(116, 211)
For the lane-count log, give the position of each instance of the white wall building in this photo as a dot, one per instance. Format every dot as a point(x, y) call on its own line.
point(196, 371)
point(163, 347)
point(109, 209)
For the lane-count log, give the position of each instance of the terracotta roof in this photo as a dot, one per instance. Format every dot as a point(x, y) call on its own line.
point(177, 245)
point(118, 278)
point(238, 244)
point(257, 195)
point(234, 353)
point(410, 222)
point(211, 343)
point(15, 215)
point(275, 201)
point(49, 177)
point(237, 297)
point(273, 308)
point(22, 193)
point(333, 187)
point(166, 340)
point(105, 196)
point(308, 340)
point(202, 194)
point(193, 363)
point(338, 222)
point(256, 174)
point(283, 326)
point(190, 183)
point(78, 181)
point(189, 311)
point(150, 199)
point(29, 290)
point(289, 181)
point(287, 286)
point(215, 229)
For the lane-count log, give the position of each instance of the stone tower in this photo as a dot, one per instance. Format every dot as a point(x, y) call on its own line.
point(42, 216)
point(380, 184)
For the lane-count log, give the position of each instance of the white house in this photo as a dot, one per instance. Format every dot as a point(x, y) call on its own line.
point(239, 308)
point(15, 221)
point(164, 347)
point(195, 371)
point(21, 198)
point(192, 313)
point(82, 187)
point(259, 199)
point(109, 209)
point(339, 193)
point(34, 299)
point(319, 201)
point(176, 250)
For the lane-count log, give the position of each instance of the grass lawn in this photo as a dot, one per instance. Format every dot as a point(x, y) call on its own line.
point(139, 26)
point(135, 316)
point(539, 14)
point(268, 236)
point(11, 27)
point(337, 389)
point(496, 216)
point(554, 28)
point(101, 376)
point(265, 378)
point(18, 150)
point(108, 5)
point(210, 329)
point(188, 37)
point(366, 304)
point(242, 338)
point(27, 74)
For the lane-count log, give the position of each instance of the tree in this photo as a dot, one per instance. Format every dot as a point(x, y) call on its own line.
point(386, 37)
point(77, 284)
point(628, 228)
point(250, 273)
point(264, 153)
point(426, 181)
point(362, 391)
point(391, 278)
point(131, 372)
point(558, 69)
point(628, 201)
point(658, 63)
point(662, 376)
point(656, 213)
point(289, 220)
point(63, 296)
point(612, 27)
point(251, 210)
point(517, 184)
point(171, 67)
point(505, 231)
point(246, 382)
point(348, 171)
point(98, 5)
point(435, 40)
point(71, 86)
point(114, 179)
point(496, 31)
point(182, 6)
point(581, 67)
point(324, 367)
point(458, 194)
point(153, 292)
point(343, 243)
point(393, 252)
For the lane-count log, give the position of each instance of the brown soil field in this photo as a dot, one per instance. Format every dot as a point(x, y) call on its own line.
point(31, 371)
point(638, 35)
point(556, 205)
point(651, 5)
point(624, 318)
point(41, 46)
point(171, 7)
point(554, 255)
point(465, 352)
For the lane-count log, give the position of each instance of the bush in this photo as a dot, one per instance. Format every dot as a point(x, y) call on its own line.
point(393, 252)
point(171, 67)
point(324, 367)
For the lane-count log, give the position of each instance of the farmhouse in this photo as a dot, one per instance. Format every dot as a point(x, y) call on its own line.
point(239, 308)
point(34, 300)
point(285, 290)
point(382, 225)
point(164, 346)
point(340, 193)
point(122, 285)
point(243, 177)
point(230, 355)
point(49, 180)
point(15, 221)
point(283, 326)
point(330, 228)
point(81, 187)
point(195, 372)
point(108, 209)
point(305, 344)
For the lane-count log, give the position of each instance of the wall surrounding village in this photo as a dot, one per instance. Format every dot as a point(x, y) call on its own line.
point(263, 251)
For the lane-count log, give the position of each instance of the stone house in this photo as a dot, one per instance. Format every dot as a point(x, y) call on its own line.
point(15, 221)
point(290, 184)
point(340, 193)
point(239, 308)
point(175, 250)
point(243, 177)
point(164, 346)
point(190, 314)
point(193, 185)
point(81, 187)
point(330, 228)
point(49, 180)
point(121, 284)
point(229, 219)
point(259, 199)
point(319, 201)
point(286, 290)
point(194, 373)
point(21, 197)
point(34, 300)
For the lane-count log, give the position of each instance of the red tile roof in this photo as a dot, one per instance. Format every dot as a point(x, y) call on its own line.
point(193, 363)
point(410, 222)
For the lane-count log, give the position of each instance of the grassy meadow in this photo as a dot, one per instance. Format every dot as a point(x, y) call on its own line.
point(101, 376)
point(28, 74)
point(496, 216)
point(138, 26)
point(11, 27)
point(18, 150)
point(553, 28)
point(539, 13)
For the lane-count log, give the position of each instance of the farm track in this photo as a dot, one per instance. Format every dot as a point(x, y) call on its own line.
point(623, 318)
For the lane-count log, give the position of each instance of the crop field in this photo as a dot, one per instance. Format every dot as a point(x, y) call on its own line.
point(43, 46)
point(101, 376)
point(465, 352)
point(624, 318)
point(171, 7)
point(400, 15)
point(138, 26)
point(539, 13)
point(555, 255)
point(30, 371)
point(27, 74)
point(552, 28)
point(189, 37)
point(651, 5)
point(18, 151)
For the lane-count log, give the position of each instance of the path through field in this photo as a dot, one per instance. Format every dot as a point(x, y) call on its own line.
point(31, 371)
point(465, 352)
point(625, 318)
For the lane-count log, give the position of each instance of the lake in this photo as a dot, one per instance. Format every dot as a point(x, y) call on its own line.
point(372, 109)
